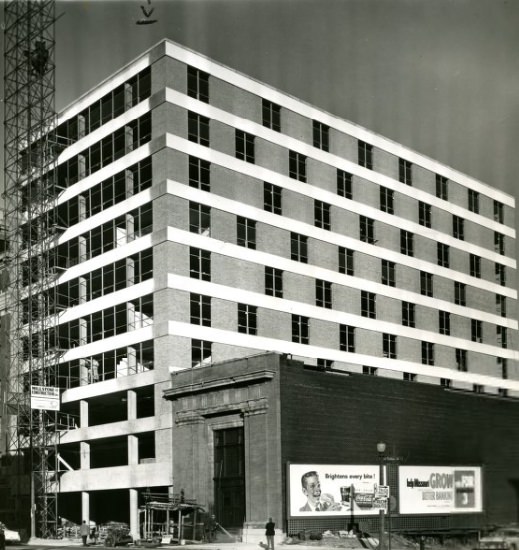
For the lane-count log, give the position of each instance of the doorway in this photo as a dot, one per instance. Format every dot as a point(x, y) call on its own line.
point(229, 477)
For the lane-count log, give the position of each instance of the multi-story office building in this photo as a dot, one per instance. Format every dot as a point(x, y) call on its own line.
point(206, 216)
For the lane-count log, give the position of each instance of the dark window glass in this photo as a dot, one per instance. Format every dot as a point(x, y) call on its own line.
point(347, 338)
point(405, 174)
point(386, 200)
point(299, 247)
point(365, 155)
point(323, 293)
point(346, 261)
point(272, 198)
point(297, 166)
point(271, 115)
point(344, 184)
point(300, 329)
point(198, 84)
point(273, 282)
point(247, 319)
point(244, 146)
point(322, 215)
point(368, 304)
point(246, 230)
point(199, 173)
point(408, 314)
point(424, 214)
point(198, 128)
point(321, 134)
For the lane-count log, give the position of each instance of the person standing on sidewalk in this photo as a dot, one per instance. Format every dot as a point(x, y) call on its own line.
point(270, 531)
point(84, 531)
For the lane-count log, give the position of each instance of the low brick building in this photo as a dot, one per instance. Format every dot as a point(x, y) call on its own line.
point(238, 424)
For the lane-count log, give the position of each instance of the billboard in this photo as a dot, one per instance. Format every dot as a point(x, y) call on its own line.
point(334, 490)
point(440, 489)
point(45, 398)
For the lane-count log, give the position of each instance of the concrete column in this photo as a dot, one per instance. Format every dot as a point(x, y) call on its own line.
point(82, 214)
point(133, 450)
point(83, 414)
point(132, 360)
point(84, 455)
point(82, 290)
point(129, 183)
point(134, 514)
point(85, 507)
point(130, 271)
point(132, 405)
point(83, 372)
point(130, 227)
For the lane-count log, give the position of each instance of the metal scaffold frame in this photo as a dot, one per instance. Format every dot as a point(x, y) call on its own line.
point(30, 193)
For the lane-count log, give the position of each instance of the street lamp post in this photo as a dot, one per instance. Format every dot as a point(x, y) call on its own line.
point(381, 449)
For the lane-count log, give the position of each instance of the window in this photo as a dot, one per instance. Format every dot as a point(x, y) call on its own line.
point(460, 293)
point(300, 329)
point(365, 155)
point(408, 314)
point(367, 231)
point(502, 336)
point(406, 242)
point(323, 293)
point(347, 338)
point(424, 214)
point(500, 274)
point(247, 319)
point(244, 146)
point(321, 134)
point(299, 248)
point(499, 243)
point(473, 201)
point(198, 128)
point(199, 218)
point(322, 215)
point(444, 319)
point(199, 174)
point(198, 84)
point(405, 174)
point(458, 228)
point(246, 230)
point(501, 305)
point(445, 382)
point(504, 367)
point(475, 266)
point(476, 330)
point(199, 264)
point(369, 371)
point(297, 166)
point(324, 364)
point(499, 213)
point(386, 200)
point(426, 283)
point(344, 185)
point(200, 353)
point(389, 346)
point(271, 115)
point(427, 353)
point(367, 304)
point(346, 261)
point(477, 388)
point(442, 188)
point(388, 273)
point(200, 310)
point(443, 254)
point(272, 198)
point(273, 282)
point(409, 377)
point(461, 360)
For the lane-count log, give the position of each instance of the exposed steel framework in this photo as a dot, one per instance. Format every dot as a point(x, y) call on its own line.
point(32, 229)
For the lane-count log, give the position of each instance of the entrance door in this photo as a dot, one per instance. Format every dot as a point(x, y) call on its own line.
point(229, 477)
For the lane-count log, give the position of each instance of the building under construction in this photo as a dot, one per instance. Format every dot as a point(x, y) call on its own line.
point(181, 214)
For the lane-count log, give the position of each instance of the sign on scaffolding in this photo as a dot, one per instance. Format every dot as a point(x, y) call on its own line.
point(45, 398)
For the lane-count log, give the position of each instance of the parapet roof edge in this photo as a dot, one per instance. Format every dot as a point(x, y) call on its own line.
point(152, 52)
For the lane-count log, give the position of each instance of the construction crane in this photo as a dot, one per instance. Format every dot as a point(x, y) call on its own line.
point(30, 205)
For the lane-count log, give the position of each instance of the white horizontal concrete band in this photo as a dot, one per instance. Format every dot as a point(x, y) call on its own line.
point(236, 295)
point(235, 339)
point(287, 142)
point(190, 148)
point(285, 100)
point(291, 266)
point(237, 208)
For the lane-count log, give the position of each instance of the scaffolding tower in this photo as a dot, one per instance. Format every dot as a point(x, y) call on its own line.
point(32, 230)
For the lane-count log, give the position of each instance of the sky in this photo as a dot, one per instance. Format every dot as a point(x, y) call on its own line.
point(438, 76)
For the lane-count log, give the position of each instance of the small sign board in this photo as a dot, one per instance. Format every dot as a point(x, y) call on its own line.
point(382, 492)
point(45, 398)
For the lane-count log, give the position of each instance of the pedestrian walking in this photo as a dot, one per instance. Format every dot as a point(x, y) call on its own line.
point(270, 531)
point(84, 531)
point(2, 537)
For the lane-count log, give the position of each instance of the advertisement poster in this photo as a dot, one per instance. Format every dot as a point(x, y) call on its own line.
point(334, 490)
point(444, 489)
point(45, 398)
